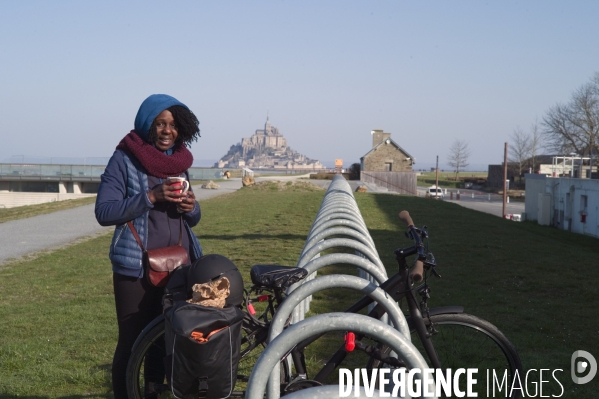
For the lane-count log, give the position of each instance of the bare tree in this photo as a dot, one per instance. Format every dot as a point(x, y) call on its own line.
point(536, 143)
point(519, 148)
point(458, 156)
point(575, 126)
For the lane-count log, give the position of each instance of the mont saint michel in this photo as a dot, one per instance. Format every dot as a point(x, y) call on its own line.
point(268, 149)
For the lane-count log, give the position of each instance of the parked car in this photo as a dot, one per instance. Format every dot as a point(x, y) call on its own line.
point(434, 192)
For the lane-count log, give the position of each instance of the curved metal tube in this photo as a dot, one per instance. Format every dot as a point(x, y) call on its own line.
point(319, 324)
point(330, 392)
point(339, 222)
point(338, 231)
point(380, 276)
point(322, 283)
point(340, 242)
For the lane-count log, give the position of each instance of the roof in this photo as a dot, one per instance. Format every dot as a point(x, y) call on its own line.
point(395, 145)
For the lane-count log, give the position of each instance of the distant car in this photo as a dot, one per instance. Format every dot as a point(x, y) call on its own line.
point(434, 192)
point(468, 185)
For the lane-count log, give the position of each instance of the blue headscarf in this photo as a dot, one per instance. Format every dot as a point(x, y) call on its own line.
point(149, 110)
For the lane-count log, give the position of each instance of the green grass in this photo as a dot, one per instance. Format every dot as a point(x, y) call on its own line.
point(447, 179)
point(21, 212)
point(537, 284)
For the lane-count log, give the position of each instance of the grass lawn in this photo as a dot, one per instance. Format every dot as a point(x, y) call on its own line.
point(447, 179)
point(537, 284)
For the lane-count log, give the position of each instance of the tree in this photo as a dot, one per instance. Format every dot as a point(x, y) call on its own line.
point(574, 127)
point(519, 148)
point(536, 143)
point(354, 171)
point(458, 156)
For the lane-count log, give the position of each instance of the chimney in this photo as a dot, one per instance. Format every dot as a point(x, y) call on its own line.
point(378, 136)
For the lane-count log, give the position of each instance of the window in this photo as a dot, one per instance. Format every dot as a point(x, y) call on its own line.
point(583, 203)
point(583, 208)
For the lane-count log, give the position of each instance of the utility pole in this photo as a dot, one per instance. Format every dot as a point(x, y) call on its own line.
point(437, 179)
point(504, 179)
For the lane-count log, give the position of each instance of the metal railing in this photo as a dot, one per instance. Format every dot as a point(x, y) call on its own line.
point(80, 172)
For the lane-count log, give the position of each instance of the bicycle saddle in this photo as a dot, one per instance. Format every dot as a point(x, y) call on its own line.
point(275, 276)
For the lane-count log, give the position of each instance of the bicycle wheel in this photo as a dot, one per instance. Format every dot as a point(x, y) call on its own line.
point(253, 342)
point(146, 376)
point(465, 341)
point(146, 371)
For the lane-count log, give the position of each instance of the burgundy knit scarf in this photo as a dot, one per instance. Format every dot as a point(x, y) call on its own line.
point(155, 161)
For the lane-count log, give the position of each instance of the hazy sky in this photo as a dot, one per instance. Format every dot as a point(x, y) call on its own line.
point(327, 72)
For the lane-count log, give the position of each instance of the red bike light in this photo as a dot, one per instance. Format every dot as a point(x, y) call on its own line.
point(263, 298)
point(350, 341)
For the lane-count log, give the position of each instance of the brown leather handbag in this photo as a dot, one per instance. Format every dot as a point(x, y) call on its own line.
point(160, 262)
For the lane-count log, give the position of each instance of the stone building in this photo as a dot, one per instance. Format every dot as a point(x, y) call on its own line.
point(267, 149)
point(386, 155)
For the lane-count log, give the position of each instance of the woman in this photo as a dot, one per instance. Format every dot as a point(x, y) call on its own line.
point(134, 188)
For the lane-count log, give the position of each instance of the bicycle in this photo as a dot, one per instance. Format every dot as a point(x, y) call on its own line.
point(270, 283)
point(446, 336)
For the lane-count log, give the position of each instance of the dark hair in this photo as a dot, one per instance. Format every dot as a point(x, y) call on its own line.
point(187, 125)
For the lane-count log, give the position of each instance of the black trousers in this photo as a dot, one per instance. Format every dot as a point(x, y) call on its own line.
point(137, 304)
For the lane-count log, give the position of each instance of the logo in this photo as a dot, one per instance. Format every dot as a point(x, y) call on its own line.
point(580, 366)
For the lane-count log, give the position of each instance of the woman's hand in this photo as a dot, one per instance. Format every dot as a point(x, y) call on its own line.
point(188, 202)
point(165, 192)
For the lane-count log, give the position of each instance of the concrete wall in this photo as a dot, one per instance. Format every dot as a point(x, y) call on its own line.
point(573, 204)
point(11, 200)
point(376, 160)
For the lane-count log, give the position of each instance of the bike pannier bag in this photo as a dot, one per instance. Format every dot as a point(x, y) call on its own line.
point(203, 349)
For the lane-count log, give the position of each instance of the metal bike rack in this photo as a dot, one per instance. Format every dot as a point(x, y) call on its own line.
point(331, 392)
point(338, 215)
point(320, 324)
point(332, 281)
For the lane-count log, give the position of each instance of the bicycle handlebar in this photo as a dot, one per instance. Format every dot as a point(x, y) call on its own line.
point(405, 217)
point(417, 272)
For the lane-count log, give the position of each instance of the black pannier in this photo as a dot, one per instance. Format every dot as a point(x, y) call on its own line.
point(202, 342)
point(203, 369)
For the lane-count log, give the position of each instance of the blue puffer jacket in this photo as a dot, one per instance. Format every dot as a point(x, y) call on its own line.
point(121, 198)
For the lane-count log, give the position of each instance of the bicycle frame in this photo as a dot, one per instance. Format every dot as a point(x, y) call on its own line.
point(398, 287)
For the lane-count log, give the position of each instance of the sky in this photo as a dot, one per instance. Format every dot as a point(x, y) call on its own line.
point(73, 73)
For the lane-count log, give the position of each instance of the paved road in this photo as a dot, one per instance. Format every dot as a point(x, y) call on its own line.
point(491, 207)
point(26, 236)
point(480, 201)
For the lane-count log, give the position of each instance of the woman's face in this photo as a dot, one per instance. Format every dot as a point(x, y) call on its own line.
point(166, 131)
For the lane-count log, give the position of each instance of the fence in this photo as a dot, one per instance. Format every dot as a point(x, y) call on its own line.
point(399, 182)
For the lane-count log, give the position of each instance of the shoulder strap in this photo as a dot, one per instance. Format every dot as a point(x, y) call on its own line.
point(134, 231)
point(132, 228)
